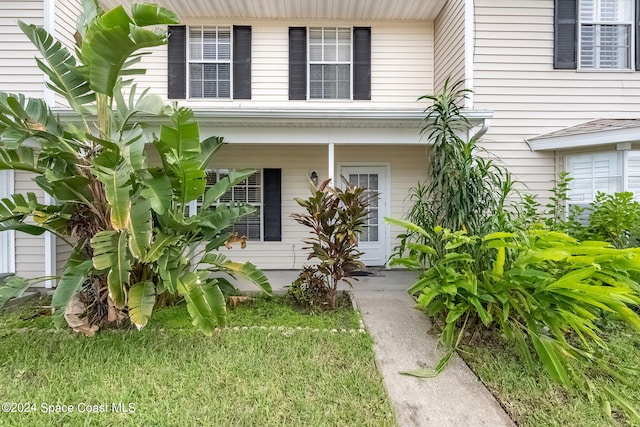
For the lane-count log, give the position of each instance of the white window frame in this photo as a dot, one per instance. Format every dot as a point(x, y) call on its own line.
point(630, 24)
point(259, 205)
point(311, 62)
point(190, 61)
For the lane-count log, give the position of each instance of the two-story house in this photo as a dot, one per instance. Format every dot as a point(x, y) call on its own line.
point(303, 88)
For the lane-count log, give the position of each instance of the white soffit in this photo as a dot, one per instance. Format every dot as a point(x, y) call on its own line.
point(593, 133)
point(356, 10)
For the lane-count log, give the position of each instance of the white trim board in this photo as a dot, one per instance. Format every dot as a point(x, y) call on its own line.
point(7, 238)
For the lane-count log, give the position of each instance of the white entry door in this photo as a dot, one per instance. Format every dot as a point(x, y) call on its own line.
point(373, 240)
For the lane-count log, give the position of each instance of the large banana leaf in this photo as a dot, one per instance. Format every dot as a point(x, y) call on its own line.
point(65, 79)
point(225, 184)
point(73, 188)
point(113, 37)
point(183, 138)
point(205, 302)
point(209, 147)
point(160, 244)
point(76, 272)
point(157, 189)
point(118, 189)
point(12, 287)
point(140, 227)
point(22, 118)
point(111, 252)
point(21, 158)
point(142, 297)
point(14, 210)
point(247, 270)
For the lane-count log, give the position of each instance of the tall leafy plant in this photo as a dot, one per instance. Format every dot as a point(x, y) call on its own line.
point(125, 218)
point(335, 217)
point(544, 291)
point(465, 189)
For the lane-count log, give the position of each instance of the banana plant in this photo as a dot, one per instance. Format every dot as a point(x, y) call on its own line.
point(124, 217)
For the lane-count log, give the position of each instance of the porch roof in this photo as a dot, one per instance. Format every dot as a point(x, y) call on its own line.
point(592, 133)
point(352, 10)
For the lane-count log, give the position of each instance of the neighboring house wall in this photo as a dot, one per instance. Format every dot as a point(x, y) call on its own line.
point(18, 70)
point(401, 70)
point(514, 76)
point(450, 44)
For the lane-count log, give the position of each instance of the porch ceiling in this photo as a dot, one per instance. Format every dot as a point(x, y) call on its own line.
point(351, 10)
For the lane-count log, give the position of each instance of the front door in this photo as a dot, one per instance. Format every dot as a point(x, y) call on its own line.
point(372, 242)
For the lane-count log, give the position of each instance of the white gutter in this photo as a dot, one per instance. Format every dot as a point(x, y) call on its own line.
point(469, 50)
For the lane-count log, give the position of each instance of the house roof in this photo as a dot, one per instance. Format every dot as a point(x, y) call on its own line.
point(592, 133)
point(352, 10)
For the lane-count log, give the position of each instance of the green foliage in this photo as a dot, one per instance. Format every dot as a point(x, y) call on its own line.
point(466, 189)
point(335, 218)
point(126, 219)
point(310, 289)
point(614, 218)
point(555, 217)
point(545, 292)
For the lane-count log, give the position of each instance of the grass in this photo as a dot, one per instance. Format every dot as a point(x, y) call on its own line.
point(533, 400)
point(173, 375)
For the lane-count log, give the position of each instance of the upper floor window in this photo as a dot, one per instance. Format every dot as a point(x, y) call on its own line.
point(596, 35)
point(209, 62)
point(605, 34)
point(330, 63)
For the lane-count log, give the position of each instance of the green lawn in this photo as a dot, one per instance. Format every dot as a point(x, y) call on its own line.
point(172, 375)
point(533, 400)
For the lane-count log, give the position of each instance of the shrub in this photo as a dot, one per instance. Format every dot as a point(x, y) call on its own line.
point(335, 217)
point(545, 291)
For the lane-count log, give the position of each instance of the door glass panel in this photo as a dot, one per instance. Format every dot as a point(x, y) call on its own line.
point(370, 182)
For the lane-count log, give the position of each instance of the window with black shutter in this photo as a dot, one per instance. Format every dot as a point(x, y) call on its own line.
point(596, 34)
point(209, 62)
point(329, 63)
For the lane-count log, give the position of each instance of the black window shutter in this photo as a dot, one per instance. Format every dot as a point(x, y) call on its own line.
point(297, 63)
point(637, 35)
point(362, 63)
point(241, 62)
point(272, 208)
point(565, 41)
point(177, 62)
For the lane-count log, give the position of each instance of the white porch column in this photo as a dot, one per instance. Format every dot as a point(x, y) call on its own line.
point(50, 251)
point(7, 238)
point(331, 167)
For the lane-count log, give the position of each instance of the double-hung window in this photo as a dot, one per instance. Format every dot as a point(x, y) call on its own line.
point(247, 192)
point(330, 63)
point(605, 34)
point(262, 190)
point(209, 62)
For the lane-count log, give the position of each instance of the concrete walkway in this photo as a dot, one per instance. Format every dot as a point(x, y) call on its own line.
point(455, 398)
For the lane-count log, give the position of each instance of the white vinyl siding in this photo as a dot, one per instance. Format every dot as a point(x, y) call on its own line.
point(450, 44)
point(401, 66)
point(19, 72)
point(514, 76)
